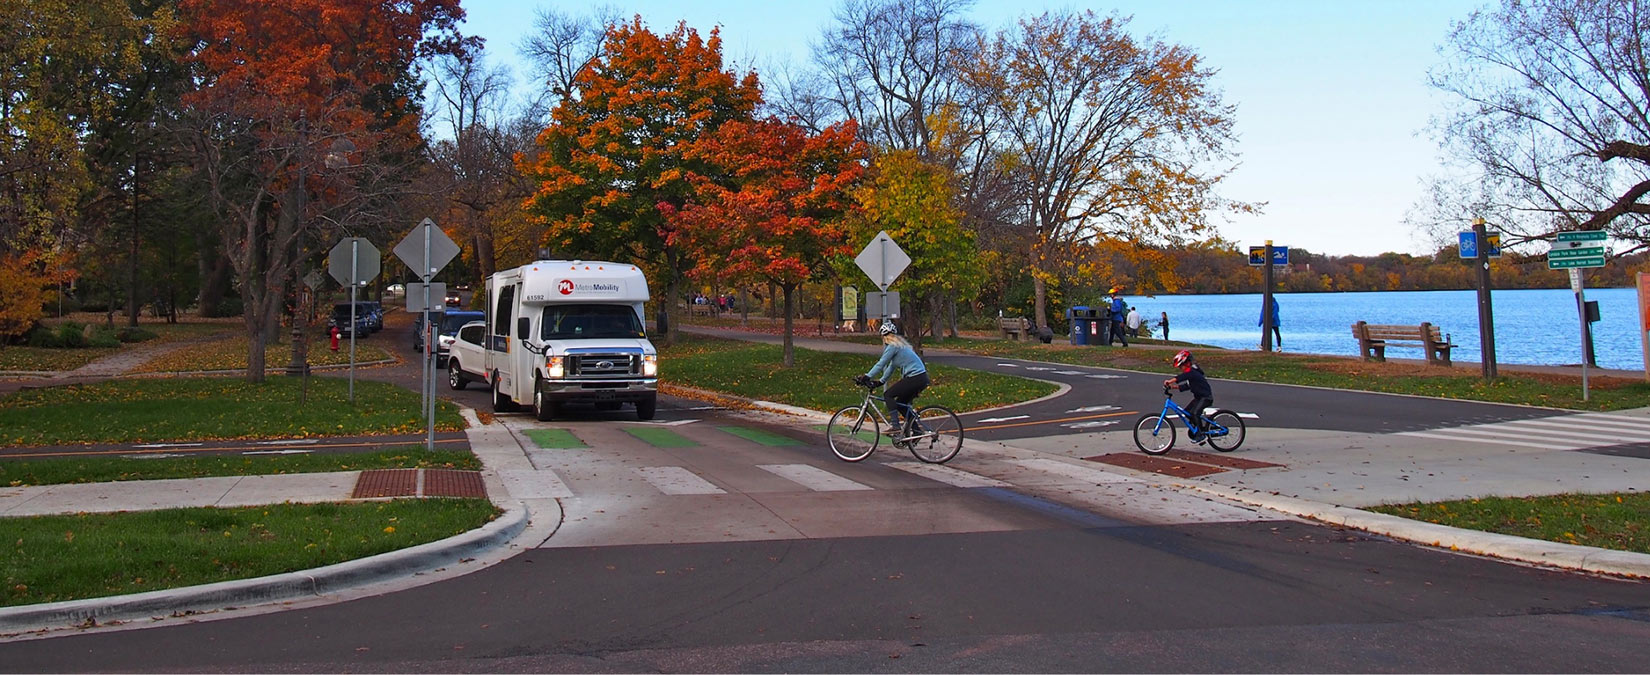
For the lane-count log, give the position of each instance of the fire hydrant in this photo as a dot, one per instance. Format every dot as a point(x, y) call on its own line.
point(334, 338)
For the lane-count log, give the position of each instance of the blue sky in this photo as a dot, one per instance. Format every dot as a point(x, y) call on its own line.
point(1331, 95)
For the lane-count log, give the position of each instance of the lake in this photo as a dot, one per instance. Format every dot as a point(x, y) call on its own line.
point(1536, 327)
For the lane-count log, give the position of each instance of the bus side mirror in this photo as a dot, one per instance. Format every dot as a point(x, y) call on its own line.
point(524, 326)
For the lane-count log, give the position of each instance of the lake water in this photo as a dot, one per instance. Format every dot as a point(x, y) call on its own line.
point(1537, 327)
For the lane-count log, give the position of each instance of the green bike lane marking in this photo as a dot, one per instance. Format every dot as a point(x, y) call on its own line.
point(661, 438)
point(554, 439)
point(762, 436)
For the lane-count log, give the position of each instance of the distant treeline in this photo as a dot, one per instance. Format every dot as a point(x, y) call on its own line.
point(1211, 270)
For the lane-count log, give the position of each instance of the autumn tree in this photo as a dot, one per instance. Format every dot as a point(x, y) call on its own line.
point(279, 83)
point(1105, 135)
point(620, 149)
point(769, 205)
point(913, 201)
point(1549, 130)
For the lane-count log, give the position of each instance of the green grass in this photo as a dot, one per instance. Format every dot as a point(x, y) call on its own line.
point(823, 381)
point(56, 558)
point(54, 471)
point(146, 410)
point(1558, 391)
point(43, 359)
point(1619, 521)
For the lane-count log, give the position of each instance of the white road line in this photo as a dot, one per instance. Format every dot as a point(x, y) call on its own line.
point(1600, 423)
point(1089, 425)
point(1465, 439)
point(169, 445)
point(292, 441)
point(1008, 365)
point(1003, 419)
point(1068, 372)
point(1532, 434)
point(1249, 416)
point(157, 455)
point(530, 484)
point(1573, 431)
point(672, 423)
point(812, 477)
point(948, 475)
point(1081, 473)
point(1106, 377)
point(1038, 368)
point(675, 480)
point(277, 452)
point(1093, 408)
point(1607, 416)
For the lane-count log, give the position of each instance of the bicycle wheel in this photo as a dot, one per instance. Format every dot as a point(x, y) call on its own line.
point(1152, 437)
point(852, 433)
point(1233, 437)
point(939, 436)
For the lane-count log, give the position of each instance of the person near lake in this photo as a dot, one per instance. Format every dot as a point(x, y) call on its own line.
point(1191, 378)
point(1164, 324)
point(1133, 322)
point(1119, 313)
point(1269, 321)
point(897, 357)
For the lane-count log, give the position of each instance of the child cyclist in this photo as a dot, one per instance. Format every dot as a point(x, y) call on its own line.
point(1191, 378)
point(897, 356)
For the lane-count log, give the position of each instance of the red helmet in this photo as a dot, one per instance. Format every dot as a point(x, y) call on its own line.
point(1182, 358)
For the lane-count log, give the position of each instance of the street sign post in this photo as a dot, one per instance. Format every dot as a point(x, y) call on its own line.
point(1576, 251)
point(354, 263)
point(888, 304)
point(883, 261)
point(426, 249)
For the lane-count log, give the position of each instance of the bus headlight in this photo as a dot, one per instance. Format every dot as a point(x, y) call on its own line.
point(552, 365)
point(650, 365)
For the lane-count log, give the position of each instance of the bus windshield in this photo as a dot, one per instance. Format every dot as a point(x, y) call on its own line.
point(564, 322)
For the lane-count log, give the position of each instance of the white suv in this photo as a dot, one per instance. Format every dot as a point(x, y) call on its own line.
point(467, 355)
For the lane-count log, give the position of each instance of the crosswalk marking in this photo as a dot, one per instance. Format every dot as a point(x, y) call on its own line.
point(948, 475)
point(812, 477)
point(1565, 432)
point(675, 480)
point(1081, 473)
point(534, 484)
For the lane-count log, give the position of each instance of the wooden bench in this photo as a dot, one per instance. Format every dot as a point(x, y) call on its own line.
point(1014, 327)
point(1373, 339)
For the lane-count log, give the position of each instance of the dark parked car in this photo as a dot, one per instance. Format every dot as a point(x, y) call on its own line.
point(340, 319)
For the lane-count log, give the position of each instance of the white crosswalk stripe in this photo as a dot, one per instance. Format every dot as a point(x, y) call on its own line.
point(948, 475)
point(812, 477)
point(675, 480)
point(1566, 432)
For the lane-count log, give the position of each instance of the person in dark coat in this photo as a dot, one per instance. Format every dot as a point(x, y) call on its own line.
point(1269, 321)
point(1119, 310)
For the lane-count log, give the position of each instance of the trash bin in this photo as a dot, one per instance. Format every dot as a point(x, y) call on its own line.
point(1080, 323)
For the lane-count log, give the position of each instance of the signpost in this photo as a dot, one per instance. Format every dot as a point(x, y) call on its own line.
point(354, 263)
point(883, 261)
point(1258, 257)
point(1576, 251)
point(426, 249)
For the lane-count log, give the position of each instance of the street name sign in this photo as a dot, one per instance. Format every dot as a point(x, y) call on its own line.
point(1580, 249)
point(1582, 235)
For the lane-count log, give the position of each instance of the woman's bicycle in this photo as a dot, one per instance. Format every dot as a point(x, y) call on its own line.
point(933, 435)
point(1154, 434)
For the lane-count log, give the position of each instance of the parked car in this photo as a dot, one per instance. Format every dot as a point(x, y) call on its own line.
point(467, 355)
point(447, 325)
point(340, 319)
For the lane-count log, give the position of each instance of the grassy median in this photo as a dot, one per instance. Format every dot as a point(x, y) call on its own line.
point(100, 469)
point(56, 558)
point(184, 409)
point(1619, 521)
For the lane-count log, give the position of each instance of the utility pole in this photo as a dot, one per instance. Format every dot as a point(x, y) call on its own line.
point(1486, 317)
point(1266, 300)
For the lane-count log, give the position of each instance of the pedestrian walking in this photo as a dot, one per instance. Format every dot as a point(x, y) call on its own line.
point(1119, 314)
point(1164, 324)
point(1269, 321)
point(1133, 322)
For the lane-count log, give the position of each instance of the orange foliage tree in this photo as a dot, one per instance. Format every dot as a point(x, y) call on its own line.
point(280, 78)
point(771, 207)
point(621, 148)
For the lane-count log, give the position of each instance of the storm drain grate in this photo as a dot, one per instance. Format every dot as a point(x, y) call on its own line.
point(452, 483)
point(386, 483)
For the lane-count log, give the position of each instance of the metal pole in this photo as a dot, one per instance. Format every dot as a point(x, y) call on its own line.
point(429, 344)
point(1265, 300)
point(354, 253)
point(1486, 314)
point(1579, 279)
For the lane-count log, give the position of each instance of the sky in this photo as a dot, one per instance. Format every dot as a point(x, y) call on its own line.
point(1333, 105)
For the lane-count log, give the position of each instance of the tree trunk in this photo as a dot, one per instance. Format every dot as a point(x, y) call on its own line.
point(790, 312)
point(132, 283)
point(1041, 301)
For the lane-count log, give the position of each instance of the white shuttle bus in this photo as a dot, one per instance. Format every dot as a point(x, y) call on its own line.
point(570, 330)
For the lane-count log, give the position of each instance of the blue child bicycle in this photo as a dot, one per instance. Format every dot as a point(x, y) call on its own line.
point(1154, 434)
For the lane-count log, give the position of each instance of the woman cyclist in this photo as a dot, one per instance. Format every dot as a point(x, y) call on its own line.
point(897, 356)
point(1191, 377)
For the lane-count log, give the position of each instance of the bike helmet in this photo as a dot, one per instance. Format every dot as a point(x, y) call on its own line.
point(1182, 358)
point(887, 328)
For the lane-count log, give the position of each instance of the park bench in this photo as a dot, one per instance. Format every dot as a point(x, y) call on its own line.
point(1014, 327)
point(1373, 339)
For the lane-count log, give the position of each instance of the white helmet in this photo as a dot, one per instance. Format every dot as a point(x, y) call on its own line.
point(888, 328)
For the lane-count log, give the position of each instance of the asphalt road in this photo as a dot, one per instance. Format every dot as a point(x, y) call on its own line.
point(908, 573)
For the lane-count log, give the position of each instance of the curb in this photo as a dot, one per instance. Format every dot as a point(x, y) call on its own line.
point(1504, 546)
point(280, 587)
